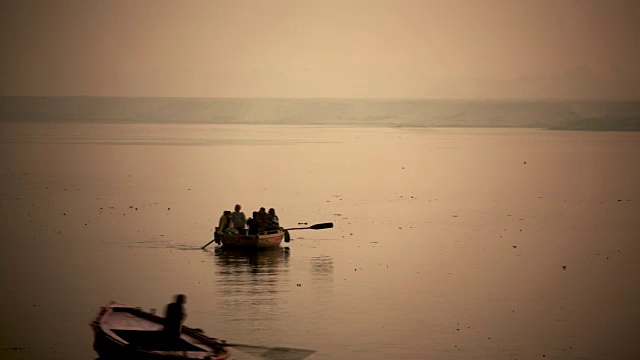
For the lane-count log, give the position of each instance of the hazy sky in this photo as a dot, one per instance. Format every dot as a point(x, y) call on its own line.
point(325, 48)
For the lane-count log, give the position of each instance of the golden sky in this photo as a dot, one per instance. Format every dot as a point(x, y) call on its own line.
point(325, 48)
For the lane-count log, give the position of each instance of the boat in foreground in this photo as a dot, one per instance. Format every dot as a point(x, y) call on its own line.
point(261, 241)
point(124, 332)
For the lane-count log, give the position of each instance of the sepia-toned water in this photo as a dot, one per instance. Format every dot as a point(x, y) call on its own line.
point(447, 243)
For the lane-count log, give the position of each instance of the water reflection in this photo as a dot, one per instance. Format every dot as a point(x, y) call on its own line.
point(251, 276)
point(260, 261)
point(322, 267)
point(322, 280)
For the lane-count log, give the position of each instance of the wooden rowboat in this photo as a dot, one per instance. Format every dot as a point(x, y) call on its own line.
point(124, 332)
point(264, 240)
point(261, 241)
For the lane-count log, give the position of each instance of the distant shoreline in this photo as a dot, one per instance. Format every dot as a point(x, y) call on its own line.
point(552, 114)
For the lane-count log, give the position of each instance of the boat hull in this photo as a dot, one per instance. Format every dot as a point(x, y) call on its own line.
point(252, 241)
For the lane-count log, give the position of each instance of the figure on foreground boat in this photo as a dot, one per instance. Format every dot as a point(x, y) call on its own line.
point(174, 317)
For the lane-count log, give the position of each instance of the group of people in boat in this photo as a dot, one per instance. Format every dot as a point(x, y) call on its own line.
point(236, 223)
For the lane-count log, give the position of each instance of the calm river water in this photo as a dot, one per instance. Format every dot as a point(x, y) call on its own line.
point(448, 243)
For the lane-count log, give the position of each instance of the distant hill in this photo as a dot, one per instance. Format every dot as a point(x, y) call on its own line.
point(568, 115)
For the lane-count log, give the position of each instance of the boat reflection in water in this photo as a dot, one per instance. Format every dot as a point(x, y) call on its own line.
point(251, 276)
point(255, 260)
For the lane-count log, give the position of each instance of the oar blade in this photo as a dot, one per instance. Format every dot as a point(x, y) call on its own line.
point(274, 353)
point(287, 354)
point(321, 226)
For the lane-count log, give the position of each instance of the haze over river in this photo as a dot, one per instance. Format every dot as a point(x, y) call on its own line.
point(447, 243)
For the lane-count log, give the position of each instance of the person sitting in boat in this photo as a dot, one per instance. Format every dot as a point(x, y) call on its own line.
point(225, 225)
point(224, 220)
point(254, 224)
point(263, 218)
point(174, 315)
point(272, 220)
point(238, 219)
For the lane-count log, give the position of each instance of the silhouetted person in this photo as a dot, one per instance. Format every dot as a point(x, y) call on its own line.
point(273, 223)
point(238, 219)
point(225, 225)
point(173, 317)
point(262, 218)
point(254, 224)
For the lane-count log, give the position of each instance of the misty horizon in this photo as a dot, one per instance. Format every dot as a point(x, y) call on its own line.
point(547, 114)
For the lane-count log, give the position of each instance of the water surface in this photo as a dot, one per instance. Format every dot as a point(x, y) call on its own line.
point(448, 243)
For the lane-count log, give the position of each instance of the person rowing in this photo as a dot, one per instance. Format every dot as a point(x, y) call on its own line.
point(225, 225)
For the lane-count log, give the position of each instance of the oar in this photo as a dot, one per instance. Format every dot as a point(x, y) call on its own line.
point(315, 227)
point(274, 353)
point(215, 237)
point(208, 243)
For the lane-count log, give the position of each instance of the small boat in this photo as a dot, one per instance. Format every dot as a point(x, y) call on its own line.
point(124, 332)
point(263, 240)
point(268, 239)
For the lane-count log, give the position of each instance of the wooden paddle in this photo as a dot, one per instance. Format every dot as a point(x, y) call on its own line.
point(314, 227)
